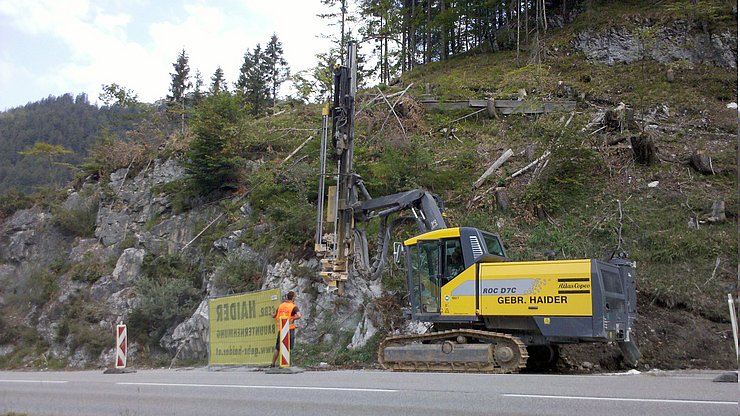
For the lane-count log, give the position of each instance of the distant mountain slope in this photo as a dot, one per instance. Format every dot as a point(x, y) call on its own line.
point(68, 121)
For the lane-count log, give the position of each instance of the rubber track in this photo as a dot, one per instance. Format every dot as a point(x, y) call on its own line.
point(484, 336)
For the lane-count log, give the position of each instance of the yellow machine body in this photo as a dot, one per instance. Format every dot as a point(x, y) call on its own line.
point(537, 288)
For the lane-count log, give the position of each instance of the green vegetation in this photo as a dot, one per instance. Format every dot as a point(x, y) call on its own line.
point(78, 220)
point(12, 201)
point(80, 326)
point(236, 275)
point(91, 268)
point(168, 293)
point(211, 165)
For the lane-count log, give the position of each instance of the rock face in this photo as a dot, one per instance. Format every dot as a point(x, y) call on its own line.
point(321, 309)
point(665, 44)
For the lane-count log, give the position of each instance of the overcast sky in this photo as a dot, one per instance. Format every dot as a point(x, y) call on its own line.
point(52, 47)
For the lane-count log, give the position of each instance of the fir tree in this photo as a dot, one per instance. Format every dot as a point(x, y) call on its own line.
point(180, 79)
point(252, 84)
point(277, 66)
point(211, 165)
point(218, 82)
point(198, 91)
point(180, 85)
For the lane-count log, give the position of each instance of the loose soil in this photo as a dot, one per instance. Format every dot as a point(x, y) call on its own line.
point(669, 339)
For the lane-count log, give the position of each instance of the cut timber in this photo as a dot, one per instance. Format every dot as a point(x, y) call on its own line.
point(497, 164)
point(504, 107)
point(529, 166)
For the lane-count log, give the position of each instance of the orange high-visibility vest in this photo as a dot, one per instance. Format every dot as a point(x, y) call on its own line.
point(285, 311)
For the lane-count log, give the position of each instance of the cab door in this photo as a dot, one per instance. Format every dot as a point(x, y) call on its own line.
point(428, 275)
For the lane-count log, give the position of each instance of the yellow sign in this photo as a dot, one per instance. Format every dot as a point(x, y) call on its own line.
point(243, 330)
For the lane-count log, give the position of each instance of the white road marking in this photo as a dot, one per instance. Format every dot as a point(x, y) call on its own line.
point(34, 381)
point(620, 399)
point(239, 386)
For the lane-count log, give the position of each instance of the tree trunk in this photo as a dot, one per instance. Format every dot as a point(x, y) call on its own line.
point(412, 37)
point(428, 38)
point(443, 32)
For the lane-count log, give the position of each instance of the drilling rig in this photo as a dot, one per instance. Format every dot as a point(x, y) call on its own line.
point(488, 313)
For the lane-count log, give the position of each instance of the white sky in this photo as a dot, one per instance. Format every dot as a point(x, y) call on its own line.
point(52, 47)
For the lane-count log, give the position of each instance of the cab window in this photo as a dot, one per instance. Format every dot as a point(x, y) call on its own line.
point(493, 244)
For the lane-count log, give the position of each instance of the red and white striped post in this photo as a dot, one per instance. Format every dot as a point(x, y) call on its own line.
point(284, 342)
point(121, 346)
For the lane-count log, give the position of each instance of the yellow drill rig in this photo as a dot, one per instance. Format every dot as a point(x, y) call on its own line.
point(488, 314)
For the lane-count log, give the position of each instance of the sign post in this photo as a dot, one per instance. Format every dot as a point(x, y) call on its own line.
point(284, 342)
point(121, 345)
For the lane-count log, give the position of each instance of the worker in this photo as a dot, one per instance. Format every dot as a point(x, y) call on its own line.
point(287, 309)
point(455, 264)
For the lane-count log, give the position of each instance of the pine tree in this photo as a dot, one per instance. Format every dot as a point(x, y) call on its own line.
point(218, 82)
point(341, 17)
point(278, 70)
point(198, 91)
point(252, 84)
point(180, 79)
point(180, 85)
point(209, 162)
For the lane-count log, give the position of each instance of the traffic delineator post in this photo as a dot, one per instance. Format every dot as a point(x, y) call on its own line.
point(121, 346)
point(284, 342)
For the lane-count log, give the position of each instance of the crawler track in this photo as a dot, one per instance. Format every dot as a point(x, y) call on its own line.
point(506, 353)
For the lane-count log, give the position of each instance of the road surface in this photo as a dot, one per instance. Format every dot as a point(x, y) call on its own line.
point(346, 393)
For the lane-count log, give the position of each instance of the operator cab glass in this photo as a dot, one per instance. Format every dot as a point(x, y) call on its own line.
point(428, 272)
point(493, 244)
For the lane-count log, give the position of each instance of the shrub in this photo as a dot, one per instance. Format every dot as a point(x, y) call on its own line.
point(91, 268)
point(79, 220)
point(168, 293)
point(40, 286)
point(80, 321)
point(12, 201)
point(238, 275)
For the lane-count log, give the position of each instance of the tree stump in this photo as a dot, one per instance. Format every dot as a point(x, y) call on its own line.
point(491, 109)
point(702, 163)
point(620, 119)
point(643, 147)
point(540, 212)
point(529, 152)
point(718, 212)
point(502, 199)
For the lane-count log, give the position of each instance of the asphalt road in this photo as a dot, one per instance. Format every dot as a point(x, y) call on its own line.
point(346, 393)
